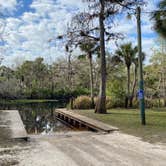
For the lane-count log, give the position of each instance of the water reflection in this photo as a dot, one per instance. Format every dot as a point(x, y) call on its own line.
point(38, 117)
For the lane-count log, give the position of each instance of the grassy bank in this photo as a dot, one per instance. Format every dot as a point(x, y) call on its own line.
point(128, 121)
point(25, 101)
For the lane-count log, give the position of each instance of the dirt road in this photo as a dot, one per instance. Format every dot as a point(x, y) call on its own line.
point(90, 149)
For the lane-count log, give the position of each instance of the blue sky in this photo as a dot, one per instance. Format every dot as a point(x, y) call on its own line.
point(30, 24)
point(23, 7)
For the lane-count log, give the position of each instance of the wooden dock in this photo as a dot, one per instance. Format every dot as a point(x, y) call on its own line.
point(81, 121)
point(15, 124)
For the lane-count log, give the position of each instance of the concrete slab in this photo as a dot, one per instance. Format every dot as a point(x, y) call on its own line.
point(15, 124)
point(92, 149)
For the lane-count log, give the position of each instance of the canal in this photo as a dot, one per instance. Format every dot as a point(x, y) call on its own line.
point(38, 117)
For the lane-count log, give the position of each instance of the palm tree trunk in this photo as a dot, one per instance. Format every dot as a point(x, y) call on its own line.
point(70, 81)
point(91, 79)
point(69, 71)
point(133, 88)
point(101, 103)
point(128, 87)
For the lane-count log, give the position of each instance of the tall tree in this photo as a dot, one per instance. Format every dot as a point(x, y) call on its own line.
point(104, 10)
point(159, 61)
point(101, 104)
point(160, 18)
point(128, 55)
point(90, 47)
point(69, 51)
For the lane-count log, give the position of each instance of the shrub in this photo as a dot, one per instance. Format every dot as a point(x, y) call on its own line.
point(114, 102)
point(82, 102)
point(108, 102)
point(150, 103)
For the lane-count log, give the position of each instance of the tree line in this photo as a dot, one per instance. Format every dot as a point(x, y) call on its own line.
point(37, 80)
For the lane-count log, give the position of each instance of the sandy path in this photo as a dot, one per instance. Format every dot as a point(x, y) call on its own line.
point(90, 149)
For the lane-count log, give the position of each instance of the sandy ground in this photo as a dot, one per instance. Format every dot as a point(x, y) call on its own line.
point(85, 149)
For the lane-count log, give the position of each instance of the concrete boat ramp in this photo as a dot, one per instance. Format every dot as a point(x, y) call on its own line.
point(15, 124)
point(82, 148)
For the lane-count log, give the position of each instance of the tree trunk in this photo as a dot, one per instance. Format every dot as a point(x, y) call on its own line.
point(52, 90)
point(164, 102)
point(101, 103)
point(91, 79)
point(69, 71)
point(164, 83)
point(128, 87)
point(70, 81)
point(133, 88)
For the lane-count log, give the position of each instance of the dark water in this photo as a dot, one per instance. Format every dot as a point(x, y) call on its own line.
point(38, 117)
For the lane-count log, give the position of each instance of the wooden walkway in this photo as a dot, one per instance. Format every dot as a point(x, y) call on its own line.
point(15, 124)
point(82, 121)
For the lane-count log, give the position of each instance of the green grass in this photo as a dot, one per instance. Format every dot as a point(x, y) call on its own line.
point(128, 121)
point(26, 101)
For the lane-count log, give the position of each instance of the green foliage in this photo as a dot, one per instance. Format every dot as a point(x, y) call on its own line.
point(127, 53)
point(153, 73)
point(114, 103)
point(80, 91)
point(116, 89)
point(36, 80)
point(154, 103)
point(84, 102)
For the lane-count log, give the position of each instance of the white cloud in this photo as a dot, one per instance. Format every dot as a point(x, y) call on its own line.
point(129, 29)
point(29, 17)
point(8, 5)
point(29, 34)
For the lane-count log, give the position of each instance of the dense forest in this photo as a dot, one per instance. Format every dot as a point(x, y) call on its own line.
point(61, 80)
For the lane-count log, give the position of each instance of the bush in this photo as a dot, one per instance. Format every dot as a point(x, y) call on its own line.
point(151, 103)
point(82, 102)
point(108, 102)
point(114, 102)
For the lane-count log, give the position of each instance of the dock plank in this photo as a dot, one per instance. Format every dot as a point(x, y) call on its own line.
point(100, 126)
point(15, 124)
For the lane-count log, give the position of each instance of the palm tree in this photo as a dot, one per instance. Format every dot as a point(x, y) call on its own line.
point(127, 54)
point(160, 19)
point(90, 47)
